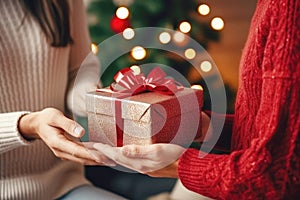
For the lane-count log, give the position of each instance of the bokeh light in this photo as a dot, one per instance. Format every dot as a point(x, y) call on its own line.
point(190, 53)
point(138, 53)
point(122, 12)
point(205, 66)
point(203, 9)
point(164, 37)
point(179, 37)
point(185, 27)
point(197, 87)
point(128, 33)
point(136, 69)
point(217, 23)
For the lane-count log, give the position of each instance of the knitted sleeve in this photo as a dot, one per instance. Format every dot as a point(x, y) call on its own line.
point(269, 167)
point(84, 67)
point(10, 136)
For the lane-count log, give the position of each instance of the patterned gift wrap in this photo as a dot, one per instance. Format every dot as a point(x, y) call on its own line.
point(145, 118)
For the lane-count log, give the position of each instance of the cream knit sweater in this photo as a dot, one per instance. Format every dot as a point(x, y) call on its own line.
point(34, 76)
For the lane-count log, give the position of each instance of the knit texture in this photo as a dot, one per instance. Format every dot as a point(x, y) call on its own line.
point(33, 76)
point(264, 162)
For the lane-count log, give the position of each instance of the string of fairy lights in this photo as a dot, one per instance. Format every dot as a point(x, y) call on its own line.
point(179, 37)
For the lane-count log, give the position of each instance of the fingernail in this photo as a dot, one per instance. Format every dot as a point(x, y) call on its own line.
point(78, 130)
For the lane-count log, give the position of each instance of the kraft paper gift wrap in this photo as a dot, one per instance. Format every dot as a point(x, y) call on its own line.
point(145, 118)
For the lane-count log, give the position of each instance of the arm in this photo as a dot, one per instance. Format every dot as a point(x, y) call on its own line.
point(58, 132)
point(262, 170)
point(269, 165)
point(265, 168)
point(10, 136)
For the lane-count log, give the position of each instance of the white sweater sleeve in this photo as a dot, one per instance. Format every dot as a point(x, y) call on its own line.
point(10, 137)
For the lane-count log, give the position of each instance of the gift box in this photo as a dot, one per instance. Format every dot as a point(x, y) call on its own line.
point(118, 118)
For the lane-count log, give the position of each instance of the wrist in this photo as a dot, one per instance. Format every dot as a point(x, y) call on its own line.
point(27, 126)
point(170, 171)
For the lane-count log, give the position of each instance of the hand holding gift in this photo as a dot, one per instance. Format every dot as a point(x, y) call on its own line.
point(61, 135)
point(155, 159)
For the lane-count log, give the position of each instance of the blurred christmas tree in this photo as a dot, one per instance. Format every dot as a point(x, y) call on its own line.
point(191, 17)
point(105, 22)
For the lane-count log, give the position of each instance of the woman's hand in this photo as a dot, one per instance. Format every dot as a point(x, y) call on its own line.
point(61, 135)
point(157, 160)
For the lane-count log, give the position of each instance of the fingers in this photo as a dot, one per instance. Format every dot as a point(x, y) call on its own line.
point(111, 152)
point(58, 119)
point(138, 151)
point(153, 152)
point(73, 148)
point(144, 163)
point(71, 127)
point(61, 136)
point(66, 156)
point(115, 154)
point(102, 159)
point(76, 152)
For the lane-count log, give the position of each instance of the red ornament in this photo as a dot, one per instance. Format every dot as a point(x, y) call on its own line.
point(119, 25)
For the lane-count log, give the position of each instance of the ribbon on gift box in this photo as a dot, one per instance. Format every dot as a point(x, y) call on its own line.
point(127, 84)
point(126, 81)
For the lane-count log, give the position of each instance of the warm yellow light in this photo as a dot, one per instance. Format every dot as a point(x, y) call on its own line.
point(197, 87)
point(164, 37)
point(138, 53)
point(203, 9)
point(217, 23)
point(205, 66)
point(122, 12)
point(185, 27)
point(136, 69)
point(128, 33)
point(190, 53)
point(94, 48)
point(178, 37)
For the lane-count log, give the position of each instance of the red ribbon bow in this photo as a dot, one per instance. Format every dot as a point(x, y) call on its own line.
point(156, 81)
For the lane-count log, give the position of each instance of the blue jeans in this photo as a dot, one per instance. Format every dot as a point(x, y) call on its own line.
point(90, 192)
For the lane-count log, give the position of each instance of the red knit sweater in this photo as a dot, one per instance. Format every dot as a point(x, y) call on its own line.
point(264, 162)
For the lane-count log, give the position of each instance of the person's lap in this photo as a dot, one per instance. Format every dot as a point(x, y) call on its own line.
point(90, 192)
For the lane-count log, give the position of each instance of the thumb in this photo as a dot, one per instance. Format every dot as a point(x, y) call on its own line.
point(69, 126)
point(78, 131)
